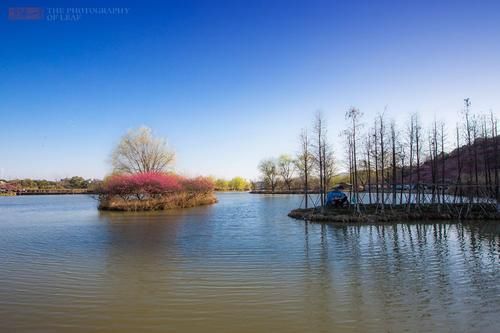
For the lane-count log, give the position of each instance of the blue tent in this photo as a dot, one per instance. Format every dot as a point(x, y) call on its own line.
point(335, 197)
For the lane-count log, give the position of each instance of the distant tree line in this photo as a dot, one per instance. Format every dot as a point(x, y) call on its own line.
point(75, 182)
point(234, 184)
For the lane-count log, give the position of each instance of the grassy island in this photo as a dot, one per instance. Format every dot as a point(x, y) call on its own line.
point(154, 191)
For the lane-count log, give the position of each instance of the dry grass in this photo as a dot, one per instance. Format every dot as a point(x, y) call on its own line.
point(170, 201)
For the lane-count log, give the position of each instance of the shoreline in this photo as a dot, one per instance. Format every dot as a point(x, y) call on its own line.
point(394, 215)
point(48, 192)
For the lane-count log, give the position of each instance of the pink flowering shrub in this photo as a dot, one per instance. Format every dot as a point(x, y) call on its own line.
point(198, 184)
point(116, 184)
point(7, 187)
point(152, 184)
point(156, 183)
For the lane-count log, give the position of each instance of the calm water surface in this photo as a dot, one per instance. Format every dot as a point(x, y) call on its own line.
point(238, 266)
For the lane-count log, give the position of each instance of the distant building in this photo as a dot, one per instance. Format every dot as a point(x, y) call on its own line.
point(342, 187)
point(259, 186)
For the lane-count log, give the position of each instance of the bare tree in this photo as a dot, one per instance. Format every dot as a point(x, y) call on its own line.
point(304, 163)
point(468, 136)
point(376, 159)
point(443, 160)
point(411, 146)
point(496, 153)
point(269, 170)
point(488, 140)
point(350, 165)
point(382, 132)
point(368, 148)
point(433, 144)
point(319, 156)
point(402, 158)
point(394, 166)
point(418, 152)
point(353, 115)
point(140, 151)
point(329, 166)
point(286, 169)
point(475, 132)
point(458, 188)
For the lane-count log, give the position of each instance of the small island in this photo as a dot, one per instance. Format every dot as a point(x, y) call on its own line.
point(397, 214)
point(141, 179)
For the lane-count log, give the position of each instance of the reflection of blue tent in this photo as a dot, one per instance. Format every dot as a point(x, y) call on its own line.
point(335, 197)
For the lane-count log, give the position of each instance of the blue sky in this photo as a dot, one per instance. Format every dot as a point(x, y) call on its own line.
point(231, 82)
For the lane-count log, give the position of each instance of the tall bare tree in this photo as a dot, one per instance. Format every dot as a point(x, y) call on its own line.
point(329, 166)
point(411, 147)
point(418, 153)
point(382, 134)
point(353, 115)
point(140, 151)
point(402, 158)
point(319, 155)
point(304, 163)
point(496, 153)
point(458, 187)
point(368, 148)
point(442, 135)
point(433, 149)
point(393, 164)
point(468, 137)
point(376, 160)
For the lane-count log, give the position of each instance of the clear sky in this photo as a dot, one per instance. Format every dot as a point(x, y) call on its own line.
point(231, 82)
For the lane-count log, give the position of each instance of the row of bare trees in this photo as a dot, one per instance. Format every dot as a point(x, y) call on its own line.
point(312, 169)
point(279, 173)
point(411, 165)
point(315, 159)
point(389, 164)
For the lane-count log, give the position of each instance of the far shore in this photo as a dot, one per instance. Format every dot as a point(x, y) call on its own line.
point(50, 192)
point(282, 192)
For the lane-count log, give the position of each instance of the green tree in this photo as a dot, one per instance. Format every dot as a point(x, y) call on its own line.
point(239, 184)
point(221, 184)
point(77, 182)
point(28, 183)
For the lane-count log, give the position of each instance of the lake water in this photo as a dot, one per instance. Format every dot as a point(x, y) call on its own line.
point(238, 266)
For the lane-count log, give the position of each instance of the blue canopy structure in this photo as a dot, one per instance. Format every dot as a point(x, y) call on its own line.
point(336, 198)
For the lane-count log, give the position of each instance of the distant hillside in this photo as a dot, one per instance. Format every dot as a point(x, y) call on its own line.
point(484, 150)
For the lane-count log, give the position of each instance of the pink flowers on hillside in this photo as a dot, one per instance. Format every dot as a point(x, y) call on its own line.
point(153, 184)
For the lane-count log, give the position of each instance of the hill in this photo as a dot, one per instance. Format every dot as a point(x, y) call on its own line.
point(481, 155)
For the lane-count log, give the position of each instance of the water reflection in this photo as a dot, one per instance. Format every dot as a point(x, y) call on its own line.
point(241, 265)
